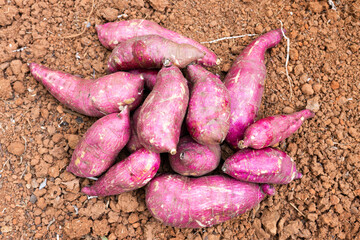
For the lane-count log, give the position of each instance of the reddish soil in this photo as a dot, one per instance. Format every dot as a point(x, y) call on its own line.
point(38, 134)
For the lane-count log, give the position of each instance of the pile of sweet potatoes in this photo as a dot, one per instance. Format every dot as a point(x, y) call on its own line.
point(187, 114)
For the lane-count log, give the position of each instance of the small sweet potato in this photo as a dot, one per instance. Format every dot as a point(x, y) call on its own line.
point(265, 165)
point(208, 116)
point(149, 76)
point(163, 111)
point(271, 130)
point(245, 82)
point(132, 173)
point(150, 51)
point(194, 159)
point(184, 202)
point(100, 145)
point(96, 98)
point(134, 143)
point(111, 34)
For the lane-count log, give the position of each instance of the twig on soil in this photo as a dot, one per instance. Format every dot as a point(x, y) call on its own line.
point(2, 169)
point(297, 209)
point(287, 58)
point(71, 112)
point(332, 4)
point(22, 175)
point(226, 38)
point(21, 157)
point(87, 21)
point(51, 222)
point(20, 49)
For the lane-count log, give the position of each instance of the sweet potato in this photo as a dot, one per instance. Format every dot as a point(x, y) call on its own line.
point(105, 95)
point(163, 111)
point(194, 159)
point(111, 34)
point(271, 130)
point(245, 82)
point(134, 143)
point(265, 165)
point(132, 173)
point(184, 202)
point(149, 76)
point(208, 116)
point(100, 145)
point(149, 52)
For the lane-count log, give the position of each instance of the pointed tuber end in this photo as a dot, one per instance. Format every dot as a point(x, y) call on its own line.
point(298, 175)
point(268, 189)
point(173, 151)
point(88, 191)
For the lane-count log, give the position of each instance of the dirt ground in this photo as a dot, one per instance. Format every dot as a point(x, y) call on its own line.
point(38, 134)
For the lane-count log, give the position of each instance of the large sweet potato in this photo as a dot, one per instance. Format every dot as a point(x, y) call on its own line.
point(208, 116)
point(245, 82)
point(150, 51)
point(105, 95)
point(184, 202)
point(271, 130)
point(163, 111)
point(194, 159)
point(100, 145)
point(132, 173)
point(111, 34)
point(265, 165)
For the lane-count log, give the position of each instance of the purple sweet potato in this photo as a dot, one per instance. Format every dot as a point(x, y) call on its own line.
point(111, 34)
point(150, 52)
point(132, 173)
point(100, 145)
point(105, 95)
point(149, 76)
point(245, 82)
point(208, 116)
point(194, 159)
point(271, 130)
point(163, 111)
point(184, 202)
point(134, 143)
point(265, 165)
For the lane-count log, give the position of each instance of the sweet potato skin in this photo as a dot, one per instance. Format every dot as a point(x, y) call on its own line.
point(163, 111)
point(149, 76)
point(194, 159)
point(265, 165)
point(100, 145)
point(271, 130)
point(134, 143)
point(184, 202)
point(245, 82)
point(208, 116)
point(111, 34)
point(132, 173)
point(149, 52)
point(96, 98)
